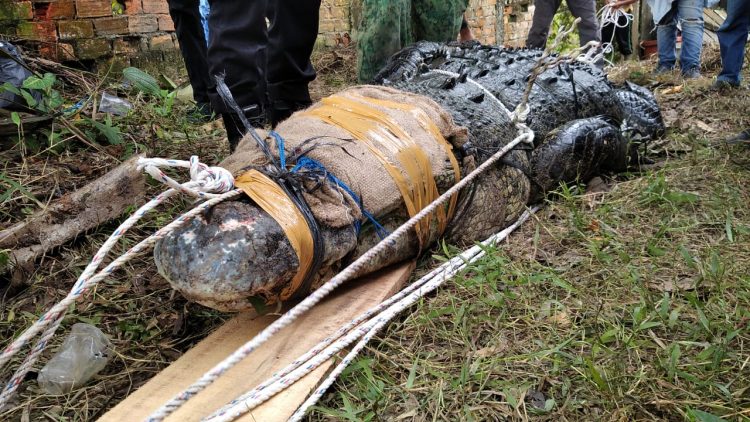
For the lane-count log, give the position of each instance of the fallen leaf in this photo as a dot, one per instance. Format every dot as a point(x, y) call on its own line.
point(488, 351)
point(561, 319)
point(703, 126)
point(684, 284)
point(672, 90)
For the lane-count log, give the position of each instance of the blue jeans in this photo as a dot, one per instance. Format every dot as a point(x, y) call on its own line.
point(732, 39)
point(690, 16)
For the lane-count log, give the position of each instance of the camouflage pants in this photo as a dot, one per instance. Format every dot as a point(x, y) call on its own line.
point(383, 27)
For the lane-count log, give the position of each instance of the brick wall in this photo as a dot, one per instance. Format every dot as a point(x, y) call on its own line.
point(133, 29)
point(91, 29)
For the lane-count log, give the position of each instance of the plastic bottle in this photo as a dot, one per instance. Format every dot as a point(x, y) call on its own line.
point(82, 355)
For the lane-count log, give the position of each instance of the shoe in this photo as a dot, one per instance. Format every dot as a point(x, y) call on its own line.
point(722, 85)
point(742, 138)
point(236, 128)
point(692, 73)
point(201, 113)
point(661, 70)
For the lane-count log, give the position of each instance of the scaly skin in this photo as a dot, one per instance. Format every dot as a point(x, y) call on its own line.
point(582, 123)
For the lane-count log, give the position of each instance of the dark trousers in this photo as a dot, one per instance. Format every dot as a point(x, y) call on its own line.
point(732, 40)
point(618, 34)
point(263, 64)
point(588, 29)
point(187, 25)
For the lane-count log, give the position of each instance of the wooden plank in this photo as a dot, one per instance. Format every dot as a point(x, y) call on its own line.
point(291, 342)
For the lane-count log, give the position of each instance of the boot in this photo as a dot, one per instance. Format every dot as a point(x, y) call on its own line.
point(236, 129)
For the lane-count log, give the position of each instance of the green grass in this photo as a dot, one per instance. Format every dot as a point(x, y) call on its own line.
point(628, 305)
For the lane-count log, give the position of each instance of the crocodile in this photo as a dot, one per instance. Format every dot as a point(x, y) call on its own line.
point(236, 255)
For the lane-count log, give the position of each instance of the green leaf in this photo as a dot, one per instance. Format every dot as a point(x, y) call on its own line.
point(703, 320)
point(687, 256)
point(41, 84)
point(112, 133)
point(648, 325)
point(728, 228)
point(30, 100)
point(10, 88)
point(412, 374)
point(701, 416)
point(15, 118)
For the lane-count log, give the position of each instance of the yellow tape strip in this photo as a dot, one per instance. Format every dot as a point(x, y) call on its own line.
point(274, 200)
point(379, 132)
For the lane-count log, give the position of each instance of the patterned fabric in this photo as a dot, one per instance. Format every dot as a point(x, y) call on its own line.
point(383, 27)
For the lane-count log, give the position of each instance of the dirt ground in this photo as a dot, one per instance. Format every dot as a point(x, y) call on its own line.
point(501, 343)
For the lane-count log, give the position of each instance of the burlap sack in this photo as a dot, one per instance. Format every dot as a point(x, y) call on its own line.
point(351, 161)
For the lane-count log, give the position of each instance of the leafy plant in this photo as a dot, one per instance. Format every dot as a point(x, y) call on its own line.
point(50, 101)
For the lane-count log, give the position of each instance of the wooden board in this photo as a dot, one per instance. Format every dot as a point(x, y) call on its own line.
point(283, 348)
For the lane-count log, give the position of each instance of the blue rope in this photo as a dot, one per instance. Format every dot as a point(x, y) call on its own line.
point(307, 163)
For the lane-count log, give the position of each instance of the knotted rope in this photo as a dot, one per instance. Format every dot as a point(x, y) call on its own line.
point(612, 14)
point(206, 182)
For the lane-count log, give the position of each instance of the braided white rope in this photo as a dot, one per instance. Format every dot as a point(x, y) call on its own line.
point(366, 331)
point(50, 321)
point(611, 15)
point(525, 135)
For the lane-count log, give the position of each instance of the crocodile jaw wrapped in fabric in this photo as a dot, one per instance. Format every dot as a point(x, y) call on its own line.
point(421, 132)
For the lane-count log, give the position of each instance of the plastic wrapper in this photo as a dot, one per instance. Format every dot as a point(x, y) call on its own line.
point(115, 105)
point(82, 355)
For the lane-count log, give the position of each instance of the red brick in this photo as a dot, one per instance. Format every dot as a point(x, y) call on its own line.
point(37, 31)
point(161, 43)
point(15, 11)
point(70, 30)
point(133, 7)
point(92, 48)
point(59, 52)
point(143, 23)
point(62, 9)
point(111, 26)
point(128, 47)
point(166, 23)
point(93, 8)
point(155, 6)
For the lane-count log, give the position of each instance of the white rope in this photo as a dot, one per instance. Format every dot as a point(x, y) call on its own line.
point(205, 180)
point(366, 331)
point(609, 14)
point(525, 135)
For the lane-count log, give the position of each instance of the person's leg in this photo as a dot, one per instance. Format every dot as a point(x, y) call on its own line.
point(666, 39)
point(622, 34)
point(291, 37)
point(588, 28)
point(690, 13)
point(383, 27)
point(544, 12)
point(187, 25)
point(237, 50)
point(437, 20)
point(732, 39)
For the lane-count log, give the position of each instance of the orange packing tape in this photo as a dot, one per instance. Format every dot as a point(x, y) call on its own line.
point(382, 134)
point(275, 201)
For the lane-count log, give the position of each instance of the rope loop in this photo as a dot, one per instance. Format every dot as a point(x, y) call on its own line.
point(205, 182)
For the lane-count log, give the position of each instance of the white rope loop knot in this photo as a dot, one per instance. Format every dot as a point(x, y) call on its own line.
point(205, 181)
